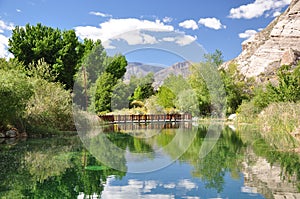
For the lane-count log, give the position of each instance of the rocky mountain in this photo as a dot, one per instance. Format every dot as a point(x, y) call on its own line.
point(160, 73)
point(180, 68)
point(140, 70)
point(277, 44)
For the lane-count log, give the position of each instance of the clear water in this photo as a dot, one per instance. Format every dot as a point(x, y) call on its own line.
point(240, 164)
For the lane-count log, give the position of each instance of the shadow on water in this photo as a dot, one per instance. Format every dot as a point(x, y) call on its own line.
point(63, 168)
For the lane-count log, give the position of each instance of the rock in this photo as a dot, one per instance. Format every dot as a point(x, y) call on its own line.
point(275, 45)
point(11, 133)
point(2, 135)
point(232, 117)
point(289, 57)
point(11, 141)
point(2, 140)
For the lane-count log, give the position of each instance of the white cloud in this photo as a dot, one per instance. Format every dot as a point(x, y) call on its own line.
point(211, 23)
point(189, 24)
point(100, 14)
point(169, 39)
point(3, 47)
point(133, 31)
point(247, 34)
point(18, 10)
point(257, 8)
point(167, 19)
point(5, 26)
point(117, 27)
point(185, 40)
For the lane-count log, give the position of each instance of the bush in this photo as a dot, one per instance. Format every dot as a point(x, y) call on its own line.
point(278, 121)
point(247, 112)
point(15, 91)
point(50, 106)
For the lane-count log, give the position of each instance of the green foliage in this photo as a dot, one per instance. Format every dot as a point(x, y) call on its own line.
point(143, 92)
point(288, 88)
point(94, 60)
point(166, 97)
point(117, 67)
point(198, 84)
point(235, 93)
point(15, 91)
point(186, 102)
point(103, 92)
point(51, 109)
point(153, 106)
point(247, 112)
point(216, 58)
point(278, 121)
point(60, 49)
point(176, 84)
point(41, 70)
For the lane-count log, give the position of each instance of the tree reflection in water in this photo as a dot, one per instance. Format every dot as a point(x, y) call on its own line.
point(62, 168)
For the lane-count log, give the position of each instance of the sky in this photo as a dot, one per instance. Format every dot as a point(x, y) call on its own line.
point(156, 31)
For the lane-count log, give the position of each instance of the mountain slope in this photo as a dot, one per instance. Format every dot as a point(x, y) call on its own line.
point(160, 73)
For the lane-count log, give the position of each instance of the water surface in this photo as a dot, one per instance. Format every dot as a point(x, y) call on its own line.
point(240, 164)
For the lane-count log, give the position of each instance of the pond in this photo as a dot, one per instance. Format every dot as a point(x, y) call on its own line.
point(150, 161)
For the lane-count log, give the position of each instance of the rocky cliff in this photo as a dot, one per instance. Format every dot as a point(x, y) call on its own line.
point(278, 44)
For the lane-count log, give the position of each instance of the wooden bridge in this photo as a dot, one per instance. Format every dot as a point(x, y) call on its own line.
point(146, 118)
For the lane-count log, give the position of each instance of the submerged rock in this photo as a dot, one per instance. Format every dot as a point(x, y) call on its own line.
point(11, 141)
point(2, 135)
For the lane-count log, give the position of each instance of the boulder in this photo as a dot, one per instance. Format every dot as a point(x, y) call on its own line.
point(289, 57)
point(2, 135)
point(11, 133)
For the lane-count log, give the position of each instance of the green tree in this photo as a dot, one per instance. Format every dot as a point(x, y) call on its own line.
point(216, 58)
point(288, 88)
point(186, 102)
point(117, 67)
point(104, 86)
point(176, 83)
point(94, 59)
point(166, 97)
point(60, 49)
point(143, 92)
point(198, 84)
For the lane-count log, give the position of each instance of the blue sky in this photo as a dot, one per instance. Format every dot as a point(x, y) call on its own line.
point(186, 29)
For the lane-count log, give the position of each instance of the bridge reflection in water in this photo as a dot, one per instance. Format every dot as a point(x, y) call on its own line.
point(132, 127)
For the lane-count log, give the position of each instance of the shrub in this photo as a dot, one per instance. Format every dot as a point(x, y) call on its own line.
point(278, 121)
point(15, 91)
point(50, 106)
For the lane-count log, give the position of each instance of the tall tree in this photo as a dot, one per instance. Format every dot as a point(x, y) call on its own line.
point(104, 87)
point(60, 49)
point(117, 67)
